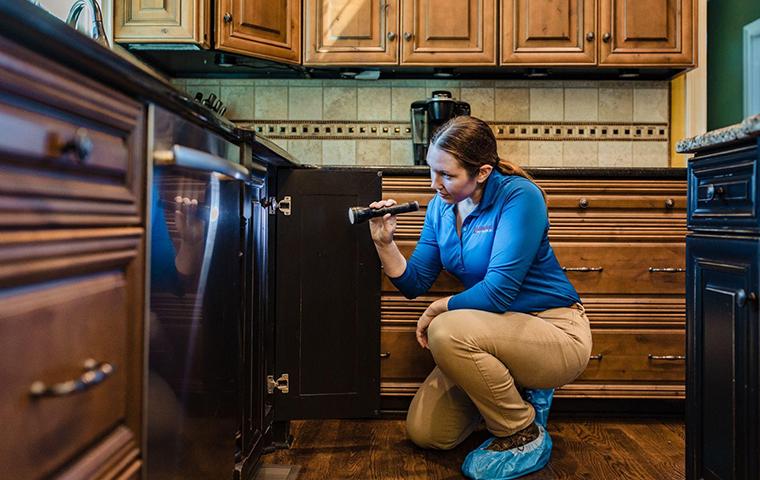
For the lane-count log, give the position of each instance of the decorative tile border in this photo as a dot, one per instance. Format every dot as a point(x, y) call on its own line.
point(550, 131)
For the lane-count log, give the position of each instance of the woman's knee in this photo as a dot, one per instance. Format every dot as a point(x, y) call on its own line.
point(444, 332)
point(422, 435)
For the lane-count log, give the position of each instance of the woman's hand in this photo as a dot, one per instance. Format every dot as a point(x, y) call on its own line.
point(436, 308)
point(383, 228)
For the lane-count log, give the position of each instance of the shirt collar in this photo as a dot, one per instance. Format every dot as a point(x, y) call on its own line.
point(490, 189)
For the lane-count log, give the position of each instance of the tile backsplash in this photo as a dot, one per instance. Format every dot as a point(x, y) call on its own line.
point(536, 123)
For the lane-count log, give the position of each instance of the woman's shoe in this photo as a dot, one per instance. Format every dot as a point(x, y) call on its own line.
point(541, 399)
point(485, 464)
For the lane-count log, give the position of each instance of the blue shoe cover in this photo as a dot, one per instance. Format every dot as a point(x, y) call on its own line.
point(541, 399)
point(482, 464)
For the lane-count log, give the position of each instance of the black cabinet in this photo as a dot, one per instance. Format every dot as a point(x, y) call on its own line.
point(313, 331)
point(723, 249)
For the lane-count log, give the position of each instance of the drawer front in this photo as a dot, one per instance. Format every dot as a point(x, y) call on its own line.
point(71, 151)
point(723, 190)
point(46, 335)
point(402, 358)
point(637, 356)
point(633, 268)
point(618, 356)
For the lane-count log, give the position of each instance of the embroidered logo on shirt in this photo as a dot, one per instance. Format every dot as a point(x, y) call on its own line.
point(483, 229)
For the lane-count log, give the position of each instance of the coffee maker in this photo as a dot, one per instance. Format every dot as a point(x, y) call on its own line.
point(428, 115)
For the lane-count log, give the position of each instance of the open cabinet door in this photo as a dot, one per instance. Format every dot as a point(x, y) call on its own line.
point(327, 319)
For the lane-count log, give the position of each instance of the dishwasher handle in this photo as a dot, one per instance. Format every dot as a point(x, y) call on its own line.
point(193, 159)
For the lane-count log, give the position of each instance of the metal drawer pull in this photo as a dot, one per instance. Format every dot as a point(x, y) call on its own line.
point(670, 203)
point(583, 203)
point(95, 373)
point(666, 357)
point(582, 269)
point(666, 270)
point(81, 145)
point(385, 355)
point(598, 356)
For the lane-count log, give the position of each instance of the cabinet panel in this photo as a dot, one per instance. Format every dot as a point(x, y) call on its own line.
point(162, 21)
point(548, 32)
point(647, 32)
point(449, 32)
point(722, 380)
point(69, 148)
point(631, 268)
point(363, 32)
point(327, 297)
point(262, 28)
point(48, 332)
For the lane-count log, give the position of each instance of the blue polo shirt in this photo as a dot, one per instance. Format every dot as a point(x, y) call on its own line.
point(503, 259)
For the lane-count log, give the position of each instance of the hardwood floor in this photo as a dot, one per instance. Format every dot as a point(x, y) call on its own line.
point(602, 449)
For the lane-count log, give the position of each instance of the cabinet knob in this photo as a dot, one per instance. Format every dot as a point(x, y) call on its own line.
point(670, 203)
point(606, 37)
point(227, 17)
point(391, 36)
point(583, 203)
point(408, 36)
point(590, 36)
point(81, 145)
point(742, 297)
point(385, 354)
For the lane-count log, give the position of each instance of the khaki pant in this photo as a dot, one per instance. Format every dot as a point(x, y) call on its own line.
point(482, 358)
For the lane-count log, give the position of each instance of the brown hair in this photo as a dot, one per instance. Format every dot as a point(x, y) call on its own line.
point(471, 141)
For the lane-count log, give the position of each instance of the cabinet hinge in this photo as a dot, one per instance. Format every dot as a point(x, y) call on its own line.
point(272, 205)
point(282, 384)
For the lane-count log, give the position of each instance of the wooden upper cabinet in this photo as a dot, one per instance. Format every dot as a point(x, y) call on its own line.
point(548, 32)
point(262, 28)
point(351, 32)
point(448, 32)
point(162, 21)
point(647, 32)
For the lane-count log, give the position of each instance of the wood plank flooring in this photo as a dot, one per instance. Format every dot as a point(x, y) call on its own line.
point(603, 449)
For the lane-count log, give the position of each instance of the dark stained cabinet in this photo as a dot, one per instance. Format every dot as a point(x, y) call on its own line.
point(723, 281)
point(327, 298)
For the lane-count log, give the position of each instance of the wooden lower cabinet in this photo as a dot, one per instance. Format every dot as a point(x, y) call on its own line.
point(71, 274)
point(622, 243)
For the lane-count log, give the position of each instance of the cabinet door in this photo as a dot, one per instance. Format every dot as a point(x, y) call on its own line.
point(168, 21)
point(345, 32)
point(647, 32)
point(722, 284)
point(262, 28)
point(548, 32)
point(456, 32)
point(327, 335)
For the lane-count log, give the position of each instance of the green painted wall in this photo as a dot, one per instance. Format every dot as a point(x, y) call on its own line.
point(725, 20)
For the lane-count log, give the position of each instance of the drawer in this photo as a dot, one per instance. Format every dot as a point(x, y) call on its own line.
point(47, 333)
point(71, 151)
point(637, 356)
point(617, 356)
point(723, 191)
point(402, 358)
point(633, 268)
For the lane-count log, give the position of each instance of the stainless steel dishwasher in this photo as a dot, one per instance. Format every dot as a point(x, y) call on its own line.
point(198, 250)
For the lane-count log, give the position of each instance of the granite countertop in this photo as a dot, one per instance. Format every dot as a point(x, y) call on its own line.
point(31, 27)
point(748, 128)
point(542, 172)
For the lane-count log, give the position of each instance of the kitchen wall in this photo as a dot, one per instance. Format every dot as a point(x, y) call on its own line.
point(537, 123)
point(725, 21)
